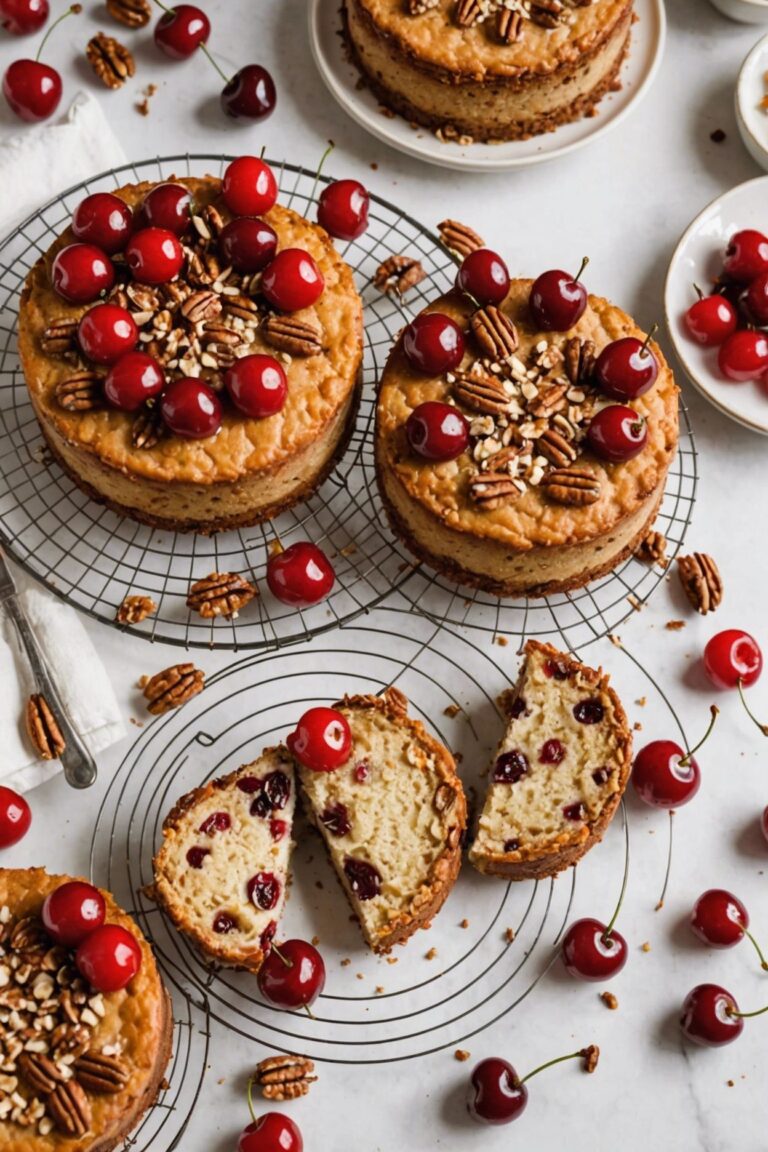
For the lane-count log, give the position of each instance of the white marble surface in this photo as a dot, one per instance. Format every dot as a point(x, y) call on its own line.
point(625, 202)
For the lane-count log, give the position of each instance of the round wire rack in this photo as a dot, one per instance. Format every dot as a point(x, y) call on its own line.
point(93, 558)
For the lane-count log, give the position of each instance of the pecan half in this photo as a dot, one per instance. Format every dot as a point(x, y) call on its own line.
point(81, 392)
point(220, 594)
point(466, 12)
point(201, 306)
point(509, 26)
point(148, 428)
point(459, 238)
point(101, 1074)
point(500, 461)
point(494, 332)
point(296, 337)
point(590, 1056)
point(132, 13)
point(546, 13)
point(556, 448)
point(29, 935)
point(398, 274)
point(285, 1077)
point(444, 797)
point(480, 392)
point(212, 221)
point(653, 548)
point(577, 486)
point(110, 60)
point(214, 332)
point(59, 337)
point(173, 687)
point(42, 728)
point(40, 1072)
point(701, 581)
point(580, 356)
point(492, 489)
point(69, 1109)
point(243, 307)
point(134, 609)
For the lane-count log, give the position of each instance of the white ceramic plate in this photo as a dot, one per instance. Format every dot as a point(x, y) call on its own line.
point(342, 79)
point(751, 89)
point(698, 259)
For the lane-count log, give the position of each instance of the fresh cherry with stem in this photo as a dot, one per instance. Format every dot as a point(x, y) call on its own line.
point(300, 575)
point(181, 30)
point(437, 431)
point(711, 1016)
point(617, 433)
point(292, 280)
point(484, 276)
point(257, 385)
point(733, 659)
point(132, 380)
point(721, 920)
point(342, 209)
point(106, 333)
point(711, 319)
point(248, 243)
point(20, 17)
point(558, 300)
point(154, 255)
point(249, 186)
point(191, 409)
point(109, 958)
point(81, 272)
point(746, 255)
point(271, 1132)
point(497, 1095)
point(743, 356)
point(72, 911)
point(627, 368)
point(433, 343)
point(31, 88)
point(322, 740)
point(595, 951)
point(168, 206)
point(292, 975)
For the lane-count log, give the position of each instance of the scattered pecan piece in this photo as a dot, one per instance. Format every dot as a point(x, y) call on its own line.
point(701, 581)
point(509, 26)
point(29, 935)
point(494, 332)
point(43, 729)
point(653, 548)
point(551, 398)
point(134, 609)
point(466, 12)
point(285, 1077)
point(173, 687)
point(492, 489)
point(243, 307)
point(101, 1074)
point(396, 700)
point(59, 337)
point(459, 238)
point(69, 1109)
point(590, 1055)
point(444, 797)
point(500, 461)
point(546, 13)
point(577, 486)
point(40, 1072)
point(220, 594)
point(296, 337)
point(398, 274)
point(81, 392)
point(580, 356)
point(214, 332)
point(480, 392)
point(556, 448)
point(609, 1000)
point(148, 428)
point(132, 13)
point(201, 306)
point(110, 60)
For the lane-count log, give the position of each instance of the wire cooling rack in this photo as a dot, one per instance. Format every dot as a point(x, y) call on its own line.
point(92, 558)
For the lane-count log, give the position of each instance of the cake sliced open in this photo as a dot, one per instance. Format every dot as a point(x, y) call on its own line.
point(392, 818)
point(222, 870)
point(559, 772)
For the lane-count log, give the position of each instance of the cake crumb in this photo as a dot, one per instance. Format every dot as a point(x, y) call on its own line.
point(374, 166)
point(345, 963)
point(432, 954)
point(275, 547)
point(718, 136)
point(641, 701)
point(348, 550)
point(674, 625)
point(136, 723)
point(452, 710)
point(142, 683)
point(731, 1083)
point(615, 640)
point(359, 976)
point(315, 941)
point(645, 947)
point(391, 959)
point(462, 1055)
point(634, 603)
point(609, 1000)
point(222, 1080)
point(637, 726)
point(591, 1056)
point(379, 989)
point(142, 107)
point(509, 935)
point(502, 641)
point(464, 924)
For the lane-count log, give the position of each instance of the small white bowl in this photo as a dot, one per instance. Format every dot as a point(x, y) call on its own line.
point(745, 11)
point(751, 89)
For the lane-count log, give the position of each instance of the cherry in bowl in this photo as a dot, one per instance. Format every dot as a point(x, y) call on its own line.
point(249, 186)
point(104, 220)
point(191, 409)
point(72, 911)
point(181, 30)
point(743, 356)
point(617, 433)
point(301, 575)
point(257, 385)
point(107, 332)
point(484, 276)
point(558, 300)
point(292, 975)
point(292, 281)
point(746, 256)
point(322, 740)
point(109, 958)
point(15, 817)
point(132, 380)
point(342, 209)
point(733, 659)
point(22, 17)
point(437, 431)
point(755, 300)
point(250, 94)
point(80, 273)
point(272, 1132)
point(433, 344)
point(711, 320)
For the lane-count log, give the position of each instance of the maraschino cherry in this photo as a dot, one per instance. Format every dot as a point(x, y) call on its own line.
point(711, 319)
point(433, 344)
point(711, 1016)
point(746, 255)
point(301, 575)
point(272, 1132)
point(191, 409)
point(627, 368)
point(342, 209)
point(743, 356)
point(558, 300)
point(437, 431)
point(81, 272)
point(617, 433)
point(248, 244)
point(322, 740)
point(31, 88)
point(132, 380)
point(257, 385)
point(249, 186)
point(292, 281)
point(595, 951)
point(20, 17)
point(107, 332)
point(720, 919)
point(497, 1095)
point(72, 911)
point(154, 255)
point(168, 206)
point(15, 817)
point(250, 94)
point(181, 30)
point(484, 276)
point(664, 776)
point(103, 220)
point(292, 976)
point(109, 958)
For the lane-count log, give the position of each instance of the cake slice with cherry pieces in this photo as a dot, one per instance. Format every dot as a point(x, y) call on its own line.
point(222, 870)
point(387, 800)
point(559, 772)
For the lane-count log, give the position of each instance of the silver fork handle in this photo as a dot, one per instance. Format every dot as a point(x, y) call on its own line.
point(77, 762)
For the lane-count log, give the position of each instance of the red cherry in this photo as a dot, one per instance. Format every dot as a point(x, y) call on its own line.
point(731, 658)
point(322, 740)
point(496, 1093)
point(437, 431)
point(743, 356)
point(133, 379)
point(72, 911)
point(292, 976)
point(660, 780)
point(719, 919)
point(191, 409)
point(746, 255)
point(32, 89)
point(154, 255)
point(764, 823)
point(617, 433)
point(180, 31)
point(104, 220)
point(272, 1132)
point(755, 300)
point(248, 244)
point(711, 319)
point(301, 575)
point(626, 369)
point(81, 272)
point(589, 954)
point(433, 344)
point(292, 281)
point(343, 209)
point(250, 94)
point(257, 385)
point(15, 817)
point(106, 332)
point(558, 300)
point(109, 958)
point(708, 1018)
point(20, 17)
point(484, 276)
point(168, 206)
point(249, 187)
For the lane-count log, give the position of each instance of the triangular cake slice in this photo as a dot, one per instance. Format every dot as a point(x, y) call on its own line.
point(392, 818)
point(222, 870)
point(559, 771)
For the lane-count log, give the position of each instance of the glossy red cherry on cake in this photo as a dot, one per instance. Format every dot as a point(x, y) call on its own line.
point(659, 777)
point(257, 385)
point(731, 658)
point(249, 186)
point(293, 975)
point(746, 255)
point(180, 31)
point(248, 244)
point(168, 206)
point(719, 918)
point(590, 953)
point(15, 817)
point(617, 433)
point(433, 344)
point(132, 380)
point(322, 740)
point(250, 94)
point(708, 1016)
point(32, 89)
point(109, 958)
point(626, 369)
point(755, 300)
point(292, 281)
point(72, 911)
point(103, 220)
point(711, 320)
point(437, 431)
point(302, 575)
point(558, 300)
point(743, 356)
point(484, 276)
point(154, 255)
point(81, 272)
point(21, 17)
point(342, 209)
point(272, 1132)
point(191, 409)
point(496, 1093)
point(106, 332)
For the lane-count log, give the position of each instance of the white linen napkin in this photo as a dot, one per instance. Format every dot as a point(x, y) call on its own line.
point(34, 166)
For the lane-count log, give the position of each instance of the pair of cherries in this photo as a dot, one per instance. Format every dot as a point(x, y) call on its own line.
point(108, 956)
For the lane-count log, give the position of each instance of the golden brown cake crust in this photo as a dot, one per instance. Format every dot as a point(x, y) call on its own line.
point(140, 1015)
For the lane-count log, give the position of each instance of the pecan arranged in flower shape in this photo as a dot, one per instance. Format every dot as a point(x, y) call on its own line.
point(110, 60)
point(220, 594)
point(285, 1077)
point(701, 581)
point(172, 687)
point(42, 728)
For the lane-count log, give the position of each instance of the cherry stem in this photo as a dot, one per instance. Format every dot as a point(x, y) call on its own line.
point(580, 273)
point(320, 166)
point(202, 47)
point(281, 956)
point(668, 873)
point(747, 1015)
point(551, 1063)
point(607, 934)
point(763, 727)
point(250, 1099)
point(714, 712)
point(74, 10)
point(645, 350)
point(758, 949)
point(698, 291)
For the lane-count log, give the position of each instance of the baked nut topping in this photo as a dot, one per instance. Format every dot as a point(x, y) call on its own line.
point(220, 594)
point(42, 729)
point(296, 337)
point(577, 486)
point(173, 687)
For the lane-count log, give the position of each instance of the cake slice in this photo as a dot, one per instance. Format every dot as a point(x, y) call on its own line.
point(222, 870)
point(392, 818)
point(559, 771)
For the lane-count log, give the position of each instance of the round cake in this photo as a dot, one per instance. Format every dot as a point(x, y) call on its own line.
point(490, 69)
point(527, 508)
point(97, 1060)
point(195, 326)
